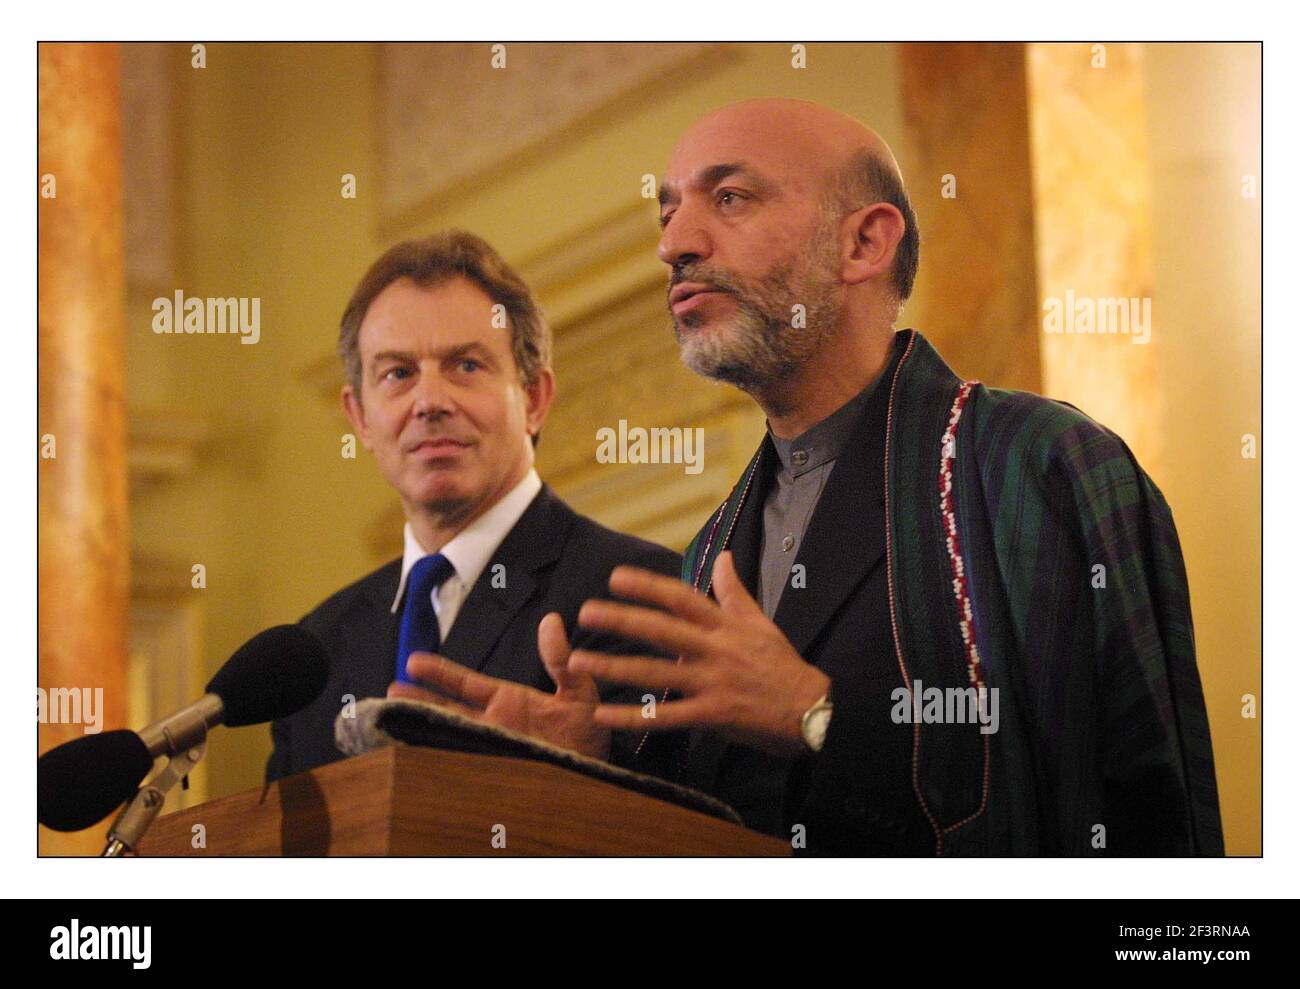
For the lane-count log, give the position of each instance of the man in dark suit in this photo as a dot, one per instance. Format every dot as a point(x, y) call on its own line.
point(447, 360)
point(890, 634)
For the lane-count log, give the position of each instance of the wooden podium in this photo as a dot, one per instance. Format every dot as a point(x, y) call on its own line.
point(404, 800)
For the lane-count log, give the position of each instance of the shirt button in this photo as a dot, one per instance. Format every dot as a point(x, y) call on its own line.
point(786, 543)
point(799, 457)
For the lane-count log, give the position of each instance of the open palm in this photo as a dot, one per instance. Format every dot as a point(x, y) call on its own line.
point(563, 718)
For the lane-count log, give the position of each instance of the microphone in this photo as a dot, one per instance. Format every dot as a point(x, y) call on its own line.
point(274, 674)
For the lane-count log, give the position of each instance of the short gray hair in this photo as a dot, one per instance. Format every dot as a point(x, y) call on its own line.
point(868, 178)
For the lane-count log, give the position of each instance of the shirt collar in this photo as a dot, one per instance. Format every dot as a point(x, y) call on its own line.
point(825, 441)
point(470, 549)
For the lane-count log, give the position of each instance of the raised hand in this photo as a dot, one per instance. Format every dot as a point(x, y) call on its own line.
point(564, 718)
point(737, 672)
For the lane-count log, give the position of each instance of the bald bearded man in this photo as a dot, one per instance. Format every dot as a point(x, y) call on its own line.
point(892, 635)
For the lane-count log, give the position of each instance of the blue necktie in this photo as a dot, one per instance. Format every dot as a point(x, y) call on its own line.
point(419, 631)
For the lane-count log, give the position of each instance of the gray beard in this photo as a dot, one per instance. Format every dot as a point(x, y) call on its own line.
point(758, 345)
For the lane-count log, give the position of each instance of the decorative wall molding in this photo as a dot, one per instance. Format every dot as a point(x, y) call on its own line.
point(165, 669)
point(149, 155)
point(451, 124)
point(166, 444)
point(173, 445)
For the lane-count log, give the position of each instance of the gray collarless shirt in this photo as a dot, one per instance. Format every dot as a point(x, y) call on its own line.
point(805, 465)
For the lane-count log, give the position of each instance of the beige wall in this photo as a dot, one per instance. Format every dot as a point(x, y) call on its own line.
point(261, 496)
point(1203, 132)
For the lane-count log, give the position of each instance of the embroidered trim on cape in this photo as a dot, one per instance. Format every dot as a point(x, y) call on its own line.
point(960, 589)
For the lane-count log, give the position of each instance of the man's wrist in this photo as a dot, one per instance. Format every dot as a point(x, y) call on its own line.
point(815, 719)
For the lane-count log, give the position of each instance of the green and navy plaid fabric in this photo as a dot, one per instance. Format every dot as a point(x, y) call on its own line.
point(1081, 617)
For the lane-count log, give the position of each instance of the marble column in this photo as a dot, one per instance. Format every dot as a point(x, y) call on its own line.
point(82, 481)
point(969, 178)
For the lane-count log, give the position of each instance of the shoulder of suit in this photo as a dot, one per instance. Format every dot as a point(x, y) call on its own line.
point(601, 546)
point(377, 586)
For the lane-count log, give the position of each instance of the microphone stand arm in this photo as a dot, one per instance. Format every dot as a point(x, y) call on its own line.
point(141, 810)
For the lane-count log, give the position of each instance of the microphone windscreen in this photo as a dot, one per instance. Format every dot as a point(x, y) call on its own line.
point(81, 782)
point(274, 674)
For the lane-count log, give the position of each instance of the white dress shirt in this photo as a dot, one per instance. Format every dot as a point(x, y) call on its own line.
point(469, 551)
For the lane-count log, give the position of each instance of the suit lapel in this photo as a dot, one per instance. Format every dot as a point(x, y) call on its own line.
point(369, 675)
point(845, 540)
point(509, 580)
point(746, 542)
point(744, 538)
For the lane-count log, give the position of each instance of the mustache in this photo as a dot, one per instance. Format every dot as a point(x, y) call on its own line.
point(715, 278)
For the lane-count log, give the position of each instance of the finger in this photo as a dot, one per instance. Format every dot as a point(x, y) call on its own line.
point(732, 594)
point(672, 634)
point(553, 646)
point(689, 713)
point(451, 679)
point(410, 692)
point(668, 593)
point(636, 671)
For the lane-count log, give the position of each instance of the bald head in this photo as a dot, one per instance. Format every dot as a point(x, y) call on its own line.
point(808, 137)
point(801, 151)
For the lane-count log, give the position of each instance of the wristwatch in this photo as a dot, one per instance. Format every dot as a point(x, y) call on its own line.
point(814, 723)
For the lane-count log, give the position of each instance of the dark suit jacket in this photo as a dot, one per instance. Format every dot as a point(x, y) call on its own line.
point(839, 622)
point(554, 560)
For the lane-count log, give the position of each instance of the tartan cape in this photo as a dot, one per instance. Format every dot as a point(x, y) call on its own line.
point(1029, 553)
